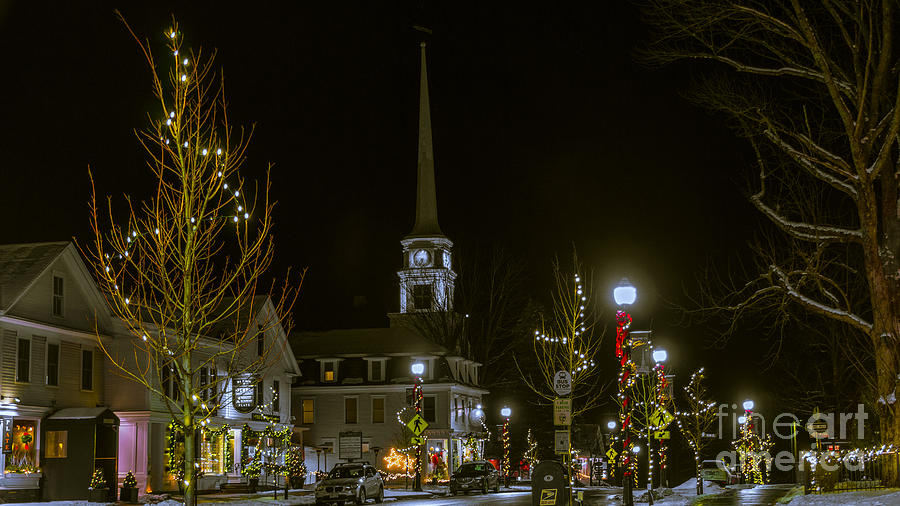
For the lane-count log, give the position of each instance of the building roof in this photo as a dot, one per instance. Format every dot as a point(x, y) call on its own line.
point(20, 266)
point(391, 341)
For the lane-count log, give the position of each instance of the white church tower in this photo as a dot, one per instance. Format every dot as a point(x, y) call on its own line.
point(426, 277)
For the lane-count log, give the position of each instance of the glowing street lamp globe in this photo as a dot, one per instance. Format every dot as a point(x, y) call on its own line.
point(636, 449)
point(506, 412)
point(742, 420)
point(660, 355)
point(611, 425)
point(418, 368)
point(748, 405)
point(624, 293)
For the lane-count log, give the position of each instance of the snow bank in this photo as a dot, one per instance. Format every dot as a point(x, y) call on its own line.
point(691, 486)
point(887, 497)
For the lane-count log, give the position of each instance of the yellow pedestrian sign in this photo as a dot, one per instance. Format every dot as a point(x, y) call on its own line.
point(661, 418)
point(661, 434)
point(611, 455)
point(417, 425)
point(417, 440)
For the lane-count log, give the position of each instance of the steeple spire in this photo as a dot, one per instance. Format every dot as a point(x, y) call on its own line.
point(426, 197)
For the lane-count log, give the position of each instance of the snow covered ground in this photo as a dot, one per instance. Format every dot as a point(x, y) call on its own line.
point(683, 494)
point(886, 497)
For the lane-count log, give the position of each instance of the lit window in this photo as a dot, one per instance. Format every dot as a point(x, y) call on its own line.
point(309, 411)
point(350, 409)
point(58, 292)
point(55, 443)
point(377, 409)
point(328, 371)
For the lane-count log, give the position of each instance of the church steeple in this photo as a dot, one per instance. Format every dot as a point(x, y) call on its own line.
point(426, 197)
point(426, 276)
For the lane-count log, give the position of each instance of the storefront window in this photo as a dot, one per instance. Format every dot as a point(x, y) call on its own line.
point(212, 453)
point(22, 457)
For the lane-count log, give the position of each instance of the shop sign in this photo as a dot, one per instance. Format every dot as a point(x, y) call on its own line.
point(349, 445)
point(260, 417)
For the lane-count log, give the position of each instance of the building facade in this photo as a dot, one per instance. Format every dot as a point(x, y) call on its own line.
point(52, 321)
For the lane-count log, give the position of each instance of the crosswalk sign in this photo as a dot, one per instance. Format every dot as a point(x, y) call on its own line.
point(417, 440)
point(417, 425)
point(661, 418)
point(611, 454)
point(661, 434)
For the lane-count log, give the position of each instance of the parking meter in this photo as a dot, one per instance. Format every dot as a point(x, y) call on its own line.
point(549, 484)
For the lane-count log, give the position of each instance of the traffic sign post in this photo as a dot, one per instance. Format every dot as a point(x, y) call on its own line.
point(561, 442)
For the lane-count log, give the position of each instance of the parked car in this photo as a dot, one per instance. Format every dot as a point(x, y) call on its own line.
point(354, 482)
point(717, 471)
point(478, 475)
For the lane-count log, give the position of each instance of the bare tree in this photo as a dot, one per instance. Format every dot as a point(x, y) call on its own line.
point(182, 268)
point(813, 87)
point(696, 419)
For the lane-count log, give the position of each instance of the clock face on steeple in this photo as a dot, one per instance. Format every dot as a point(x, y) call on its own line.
point(422, 258)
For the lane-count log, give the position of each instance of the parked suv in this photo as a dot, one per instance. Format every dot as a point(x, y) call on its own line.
point(478, 475)
point(354, 482)
point(717, 471)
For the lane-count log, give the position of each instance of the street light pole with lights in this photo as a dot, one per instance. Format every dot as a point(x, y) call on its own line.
point(625, 295)
point(418, 369)
point(505, 413)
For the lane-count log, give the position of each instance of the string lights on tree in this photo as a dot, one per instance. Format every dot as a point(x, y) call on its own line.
point(161, 266)
point(696, 420)
point(752, 449)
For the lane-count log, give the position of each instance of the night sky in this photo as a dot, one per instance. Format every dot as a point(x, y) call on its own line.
point(546, 132)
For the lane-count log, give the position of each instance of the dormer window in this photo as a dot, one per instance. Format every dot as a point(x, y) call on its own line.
point(376, 369)
point(329, 371)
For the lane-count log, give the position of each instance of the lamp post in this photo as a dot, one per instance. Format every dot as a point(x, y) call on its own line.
point(659, 357)
point(746, 423)
point(625, 294)
point(505, 413)
point(418, 368)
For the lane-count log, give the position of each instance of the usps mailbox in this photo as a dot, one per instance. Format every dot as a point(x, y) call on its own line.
point(549, 484)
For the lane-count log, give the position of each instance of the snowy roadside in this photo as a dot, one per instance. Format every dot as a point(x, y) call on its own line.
point(682, 495)
point(883, 497)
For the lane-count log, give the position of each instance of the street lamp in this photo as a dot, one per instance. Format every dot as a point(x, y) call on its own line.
point(611, 425)
point(748, 405)
point(660, 355)
point(625, 294)
point(418, 368)
point(506, 413)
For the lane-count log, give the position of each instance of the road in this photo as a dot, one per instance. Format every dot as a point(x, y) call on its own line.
point(762, 495)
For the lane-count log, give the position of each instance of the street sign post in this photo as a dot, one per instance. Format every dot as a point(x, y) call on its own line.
point(661, 418)
point(561, 442)
point(661, 434)
point(611, 455)
point(562, 383)
point(562, 411)
point(417, 440)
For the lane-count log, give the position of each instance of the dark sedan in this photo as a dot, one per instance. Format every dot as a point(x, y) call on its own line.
point(478, 475)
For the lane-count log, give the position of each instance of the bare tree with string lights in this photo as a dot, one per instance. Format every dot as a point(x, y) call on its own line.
point(567, 341)
point(696, 419)
point(181, 269)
